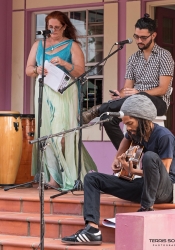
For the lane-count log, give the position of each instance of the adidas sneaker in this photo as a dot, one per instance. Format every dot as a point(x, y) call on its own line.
point(84, 237)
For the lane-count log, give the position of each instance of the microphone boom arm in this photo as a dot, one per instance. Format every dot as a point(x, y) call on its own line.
point(81, 77)
point(43, 138)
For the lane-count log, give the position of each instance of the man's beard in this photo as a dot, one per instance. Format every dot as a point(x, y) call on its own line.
point(146, 46)
point(136, 138)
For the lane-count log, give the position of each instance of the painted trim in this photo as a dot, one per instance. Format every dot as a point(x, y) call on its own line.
point(8, 55)
point(65, 7)
point(27, 47)
point(150, 6)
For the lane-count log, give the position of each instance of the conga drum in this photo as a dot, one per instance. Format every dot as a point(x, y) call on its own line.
point(28, 129)
point(11, 146)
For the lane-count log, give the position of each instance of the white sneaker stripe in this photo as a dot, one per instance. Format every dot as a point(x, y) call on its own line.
point(81, 238)
point(86, 237)
point(78, 239)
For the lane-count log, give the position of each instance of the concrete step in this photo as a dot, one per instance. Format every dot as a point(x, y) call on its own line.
point(11, 242)
point(26, 200)
point(56, 226)
point(63, 215)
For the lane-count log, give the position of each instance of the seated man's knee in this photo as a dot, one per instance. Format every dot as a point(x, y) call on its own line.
point(148, 158)
point(89, 177)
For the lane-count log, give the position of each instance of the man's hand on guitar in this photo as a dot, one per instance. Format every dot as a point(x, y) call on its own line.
point(116, 166)
point(127, 165)
point(122, 160)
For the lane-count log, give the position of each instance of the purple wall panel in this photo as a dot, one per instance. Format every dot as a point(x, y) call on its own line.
point(103, 155)
point(121, 36)
point(5, 54)
point(27, 47)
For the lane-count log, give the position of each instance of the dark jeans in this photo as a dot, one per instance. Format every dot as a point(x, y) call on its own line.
point(154, 187)
point(112, 127)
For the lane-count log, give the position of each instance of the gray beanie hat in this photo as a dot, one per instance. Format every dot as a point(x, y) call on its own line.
point(139, 106)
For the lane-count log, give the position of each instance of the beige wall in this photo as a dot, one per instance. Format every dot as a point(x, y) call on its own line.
point(110, 37)
point(18, 4)
point(17, 61)
point(47, 3)
point(131, 18)
point(110, 69)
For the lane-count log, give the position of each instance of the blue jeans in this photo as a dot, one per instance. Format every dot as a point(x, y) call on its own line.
point(154, 187)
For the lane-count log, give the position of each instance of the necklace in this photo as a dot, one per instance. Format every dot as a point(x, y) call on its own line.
point(55, 46)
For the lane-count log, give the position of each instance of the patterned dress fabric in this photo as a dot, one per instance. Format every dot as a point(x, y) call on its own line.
point(60, 113)
point(146, 73)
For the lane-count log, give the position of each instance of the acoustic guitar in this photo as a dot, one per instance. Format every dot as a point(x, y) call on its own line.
point(133, 154)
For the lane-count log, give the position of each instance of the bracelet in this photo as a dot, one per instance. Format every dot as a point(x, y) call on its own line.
point(71, 69)
point(35, 70)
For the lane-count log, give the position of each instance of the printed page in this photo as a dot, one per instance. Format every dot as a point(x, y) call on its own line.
point(110, 222)
point(56, 78)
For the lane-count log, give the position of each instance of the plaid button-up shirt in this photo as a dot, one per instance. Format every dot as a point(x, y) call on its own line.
point(146, 73)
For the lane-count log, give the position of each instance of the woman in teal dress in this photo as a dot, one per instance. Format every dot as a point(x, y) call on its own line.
point(59, 111)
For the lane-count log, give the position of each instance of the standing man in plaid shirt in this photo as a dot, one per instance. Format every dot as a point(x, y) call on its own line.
point(149, 72)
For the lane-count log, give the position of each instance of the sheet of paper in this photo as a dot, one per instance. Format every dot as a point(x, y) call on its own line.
point(56, 78)
point(110, 222)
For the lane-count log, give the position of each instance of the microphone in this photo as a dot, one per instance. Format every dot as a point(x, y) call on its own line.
point(129, 40)
point(119, 114)
point(44, 32)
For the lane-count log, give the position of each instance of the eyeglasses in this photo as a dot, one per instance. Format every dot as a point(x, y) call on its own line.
point(55, 27)
point(143, 38)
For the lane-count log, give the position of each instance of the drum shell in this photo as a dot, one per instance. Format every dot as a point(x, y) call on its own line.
point(28, 129)
point(11, 149)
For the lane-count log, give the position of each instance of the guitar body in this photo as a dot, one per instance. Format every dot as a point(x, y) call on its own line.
point(132, 154)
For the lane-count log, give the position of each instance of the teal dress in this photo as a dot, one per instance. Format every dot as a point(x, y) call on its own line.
point(60, 113)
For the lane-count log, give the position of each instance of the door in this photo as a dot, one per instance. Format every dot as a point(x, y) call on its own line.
point(165, 20)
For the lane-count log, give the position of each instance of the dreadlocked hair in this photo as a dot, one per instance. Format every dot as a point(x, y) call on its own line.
point(144, 128)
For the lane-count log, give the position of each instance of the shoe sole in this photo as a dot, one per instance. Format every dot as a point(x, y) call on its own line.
point(82, 243)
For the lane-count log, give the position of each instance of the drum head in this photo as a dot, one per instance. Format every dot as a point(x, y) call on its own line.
point(10, 113)
point(30, 116)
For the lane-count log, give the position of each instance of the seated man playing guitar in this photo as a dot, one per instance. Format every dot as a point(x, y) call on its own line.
point(157, 174)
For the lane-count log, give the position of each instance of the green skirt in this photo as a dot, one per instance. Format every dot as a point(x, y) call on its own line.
point(60, 113)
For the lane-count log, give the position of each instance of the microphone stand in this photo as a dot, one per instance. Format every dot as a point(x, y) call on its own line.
point(47, 137)
point(82, 79)
point(39, 177)
point(78, 184)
